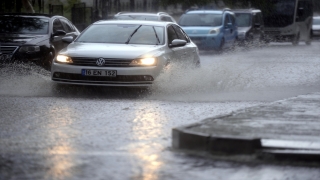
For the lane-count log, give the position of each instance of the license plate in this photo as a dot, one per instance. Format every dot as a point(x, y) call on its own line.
point(95, 72)
point(5, 57)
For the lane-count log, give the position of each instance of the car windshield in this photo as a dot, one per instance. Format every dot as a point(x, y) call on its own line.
point(201, 20)
point(123, 34)
point(279, 13)
point(316, 21)
point(23, 25)
point(243, 19)
point(137, 17)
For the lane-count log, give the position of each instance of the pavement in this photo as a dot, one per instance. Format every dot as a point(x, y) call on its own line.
point(286, 130)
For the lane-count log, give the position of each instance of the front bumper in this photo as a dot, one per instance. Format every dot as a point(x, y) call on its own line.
point(126, 76)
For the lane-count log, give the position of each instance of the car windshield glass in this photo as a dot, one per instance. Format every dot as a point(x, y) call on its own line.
point(201, 20)
point(23, 25)
point(243, 19)
point(279, 13)
point(316, 21)
point(137, 17)
point(122, 34)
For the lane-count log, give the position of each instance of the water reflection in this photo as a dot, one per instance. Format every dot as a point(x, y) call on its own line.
point(148, 125)
point(59, 132)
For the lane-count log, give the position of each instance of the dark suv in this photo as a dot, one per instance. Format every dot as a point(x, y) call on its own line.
point(33, 37)
point(250, 25)
point(160, 16)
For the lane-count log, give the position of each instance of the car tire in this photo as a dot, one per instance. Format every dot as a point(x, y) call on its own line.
point(308, 41)
point(46, 64)
point(221, 46)
point(296, 39)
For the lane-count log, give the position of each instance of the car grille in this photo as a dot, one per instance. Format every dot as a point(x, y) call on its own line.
point(8, 49)
point(83, 61)
point(121, 78)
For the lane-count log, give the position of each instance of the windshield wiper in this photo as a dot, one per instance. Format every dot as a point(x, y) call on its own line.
point(156, 35)
point(127, 42)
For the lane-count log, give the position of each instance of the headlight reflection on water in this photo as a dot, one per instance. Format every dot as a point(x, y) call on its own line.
point(148, 125)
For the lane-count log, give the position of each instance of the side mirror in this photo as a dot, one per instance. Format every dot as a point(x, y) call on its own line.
point(228, 25)
point(177, 43)
point(59, 33)
point(67, 39)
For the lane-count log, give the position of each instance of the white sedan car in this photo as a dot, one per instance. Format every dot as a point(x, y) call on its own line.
point(123, 53)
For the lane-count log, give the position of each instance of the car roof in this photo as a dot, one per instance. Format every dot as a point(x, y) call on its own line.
point(155, 23)
point(142, 13)
point(27, 14)
point(246, 10)
point(205, 12)
point(209, 11)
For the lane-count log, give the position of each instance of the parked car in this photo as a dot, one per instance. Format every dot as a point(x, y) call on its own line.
point(123, 53)
point(316, 27)
point(33, 37)
point(210, 29)
point(250, 26)
point(160, 16)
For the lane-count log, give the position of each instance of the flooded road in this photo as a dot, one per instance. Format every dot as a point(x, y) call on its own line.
point(74, 132)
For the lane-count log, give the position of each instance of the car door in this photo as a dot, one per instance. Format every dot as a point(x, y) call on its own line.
point(189, 49)
point(228, 31)
point(257, 26)
point(178, 53)
point(56, 40)
point(69, 28)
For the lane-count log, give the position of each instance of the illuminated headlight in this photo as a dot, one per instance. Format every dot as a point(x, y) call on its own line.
point(144, 62)
point(26, 49)
point(214, 31)
point(63, 59)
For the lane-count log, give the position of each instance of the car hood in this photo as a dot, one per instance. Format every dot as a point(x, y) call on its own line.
point(198, 30)
point(19, 39)
point(123, 51)
point(243, 29)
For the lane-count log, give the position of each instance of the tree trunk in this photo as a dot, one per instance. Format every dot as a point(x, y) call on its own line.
point(27, 6)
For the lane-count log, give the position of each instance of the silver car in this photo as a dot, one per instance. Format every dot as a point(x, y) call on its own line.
point(316, 27)
point(123, 53)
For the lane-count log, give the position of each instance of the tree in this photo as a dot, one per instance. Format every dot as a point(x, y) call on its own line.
point(27, 6)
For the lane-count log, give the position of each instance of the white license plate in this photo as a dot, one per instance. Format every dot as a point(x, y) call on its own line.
point(95, 72)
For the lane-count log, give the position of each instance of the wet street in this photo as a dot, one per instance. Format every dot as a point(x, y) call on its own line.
point(73, 132)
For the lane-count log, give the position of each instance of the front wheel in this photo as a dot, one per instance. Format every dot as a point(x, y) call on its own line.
point(221, 46)
point(296, 39)
point(46, 64)
point(308, 40)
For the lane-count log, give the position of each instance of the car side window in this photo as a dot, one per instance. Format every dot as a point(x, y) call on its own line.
point(171, 34)
point(166, 18)
point(233, 20)
point(259, 17)
point(180, 33)
point(57, 25)
point(226, 20)
point(67, 26)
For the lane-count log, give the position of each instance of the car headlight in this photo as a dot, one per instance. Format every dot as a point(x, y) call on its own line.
point(214, 31)
point(144, 62)
point(63, 59)
point(29, 49)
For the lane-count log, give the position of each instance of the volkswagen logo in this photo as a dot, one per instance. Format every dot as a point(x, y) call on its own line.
point(100, 62)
